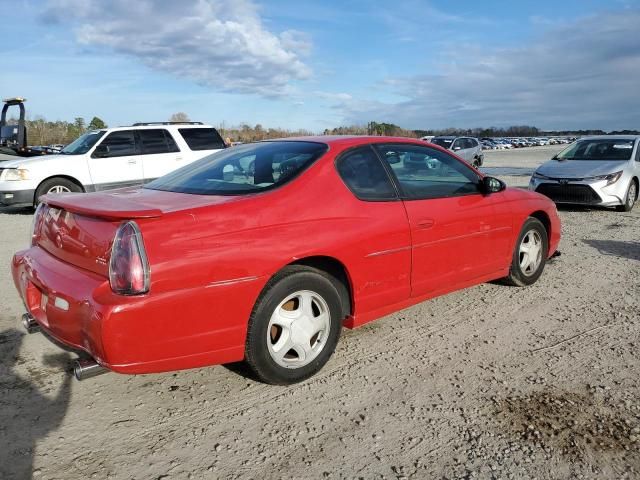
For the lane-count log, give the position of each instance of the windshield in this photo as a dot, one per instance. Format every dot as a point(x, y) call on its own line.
point(598, 149)
point(83, 144)
point(244, 169)
point(443, 142)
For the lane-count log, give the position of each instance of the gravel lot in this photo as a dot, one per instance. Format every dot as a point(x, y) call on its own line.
point(489, 382)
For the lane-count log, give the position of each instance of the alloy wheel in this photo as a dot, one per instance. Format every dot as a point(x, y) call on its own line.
point(530, 252)
point(58, 189)
point(298, 329)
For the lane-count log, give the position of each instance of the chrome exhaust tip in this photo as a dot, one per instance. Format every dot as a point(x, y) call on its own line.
point(84, 368)
point(29, 323)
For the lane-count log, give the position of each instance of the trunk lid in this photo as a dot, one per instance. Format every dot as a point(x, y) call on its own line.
point(79, 229)
point(77, 239)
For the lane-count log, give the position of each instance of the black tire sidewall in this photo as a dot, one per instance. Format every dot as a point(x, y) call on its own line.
point(256, 352)
point(517, 276)
point(626, 206)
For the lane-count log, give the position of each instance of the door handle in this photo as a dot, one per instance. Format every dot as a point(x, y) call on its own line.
point(425, 223)
point(178, 159)
point(132, 161)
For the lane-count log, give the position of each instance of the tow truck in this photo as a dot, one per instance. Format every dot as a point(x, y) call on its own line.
point(13, 138)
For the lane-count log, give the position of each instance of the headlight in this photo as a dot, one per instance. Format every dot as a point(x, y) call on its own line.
point(15, 174)
point(611, 178)
point(539, 176)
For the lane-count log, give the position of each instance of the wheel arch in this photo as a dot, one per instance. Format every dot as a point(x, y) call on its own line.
point(336, 269)
point(66, 177)
point(544, 219)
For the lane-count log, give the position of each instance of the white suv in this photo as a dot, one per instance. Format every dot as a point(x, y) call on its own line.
point(108, 158)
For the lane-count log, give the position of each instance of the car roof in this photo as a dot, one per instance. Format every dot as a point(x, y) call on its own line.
point(153, 126)
point(349, 140)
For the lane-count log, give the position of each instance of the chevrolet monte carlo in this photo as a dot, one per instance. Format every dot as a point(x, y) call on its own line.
point(263, 252)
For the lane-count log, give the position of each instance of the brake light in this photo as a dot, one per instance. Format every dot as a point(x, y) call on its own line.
point(37, 221)
point(129, 268)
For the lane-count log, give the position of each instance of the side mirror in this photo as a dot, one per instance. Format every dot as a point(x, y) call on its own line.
point(492, 185)
point(101, 151)
point(455, 149)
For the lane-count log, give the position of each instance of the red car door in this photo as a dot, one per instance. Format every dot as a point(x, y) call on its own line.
point(383, 271)
point(458, 233)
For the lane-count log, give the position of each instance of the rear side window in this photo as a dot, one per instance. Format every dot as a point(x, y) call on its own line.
point(365, 176)
point(244, 169)
point(118, 144)
point(202, 138)
point(157, 141)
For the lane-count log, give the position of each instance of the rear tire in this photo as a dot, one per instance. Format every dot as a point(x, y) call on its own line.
point(630, 198)
point(294, 327)
point(529, 255)
point(55, 185)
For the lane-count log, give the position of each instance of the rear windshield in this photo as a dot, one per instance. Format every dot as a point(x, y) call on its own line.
point(243, 169)
point(202, 138)
point(598, 149)
point(443, 142)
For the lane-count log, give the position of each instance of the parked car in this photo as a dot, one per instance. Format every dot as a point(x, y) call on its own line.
point(600, 170)
point(207, 265)
point(467, 148)
point(506, 144)
point(108, 158)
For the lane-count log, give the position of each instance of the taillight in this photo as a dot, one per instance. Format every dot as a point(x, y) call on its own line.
point(129, 268)
point(37, 221)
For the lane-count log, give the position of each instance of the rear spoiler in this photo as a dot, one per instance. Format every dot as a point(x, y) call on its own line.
point(115, 207)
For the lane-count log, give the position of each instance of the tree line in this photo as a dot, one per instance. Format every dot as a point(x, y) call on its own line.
point(44, 132)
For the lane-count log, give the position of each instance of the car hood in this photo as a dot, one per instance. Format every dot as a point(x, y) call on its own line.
point(25, 162)
point(580, 168)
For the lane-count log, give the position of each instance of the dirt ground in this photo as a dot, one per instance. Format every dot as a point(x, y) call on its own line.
point(489, 382)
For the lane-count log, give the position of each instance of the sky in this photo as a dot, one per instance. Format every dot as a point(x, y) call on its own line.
point(312, 65)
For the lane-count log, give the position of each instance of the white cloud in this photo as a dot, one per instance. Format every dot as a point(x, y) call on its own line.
point(583, 74)
point(222, 44)
point(333, 97)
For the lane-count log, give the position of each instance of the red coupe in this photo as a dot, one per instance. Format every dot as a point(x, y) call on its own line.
point(263, 252)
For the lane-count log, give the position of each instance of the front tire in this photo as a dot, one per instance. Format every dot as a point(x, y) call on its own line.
point(529, 255)
point(55, 185)
point(294, 327)
point(630, 198)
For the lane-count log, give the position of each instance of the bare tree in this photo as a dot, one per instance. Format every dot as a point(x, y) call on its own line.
point(179, 117)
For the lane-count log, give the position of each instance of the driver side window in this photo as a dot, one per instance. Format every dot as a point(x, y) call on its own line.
point(424, 173)
point(117, 144)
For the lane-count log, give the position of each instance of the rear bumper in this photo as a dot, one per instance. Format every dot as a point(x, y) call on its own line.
point(141, 334)
point(17, 197)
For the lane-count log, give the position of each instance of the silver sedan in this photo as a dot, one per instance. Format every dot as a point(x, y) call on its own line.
point(602, 170)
